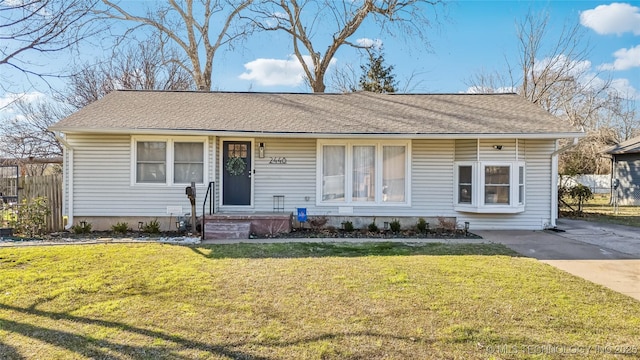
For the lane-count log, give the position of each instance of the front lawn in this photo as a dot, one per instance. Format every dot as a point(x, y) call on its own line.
point(302, 301)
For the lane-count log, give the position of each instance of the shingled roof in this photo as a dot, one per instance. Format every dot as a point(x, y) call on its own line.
point(283, 114)
point(631, 146)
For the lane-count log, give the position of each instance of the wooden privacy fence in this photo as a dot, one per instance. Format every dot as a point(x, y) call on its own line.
point(48, 186)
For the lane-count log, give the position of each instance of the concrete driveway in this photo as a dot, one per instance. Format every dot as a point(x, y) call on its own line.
point(605, 254)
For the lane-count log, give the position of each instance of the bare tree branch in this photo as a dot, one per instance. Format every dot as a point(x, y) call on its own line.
point(138, 67)
point(40, 27)
point(191, 28)
point(298, 19)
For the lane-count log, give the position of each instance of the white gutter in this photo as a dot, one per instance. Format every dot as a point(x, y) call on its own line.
point(67, 148)
point(554, 180)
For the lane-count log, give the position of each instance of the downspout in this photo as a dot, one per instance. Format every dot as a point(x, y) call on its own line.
point(554, 180)
point(67, 148)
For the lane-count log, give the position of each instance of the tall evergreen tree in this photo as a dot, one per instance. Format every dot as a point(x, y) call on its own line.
point(377, 77)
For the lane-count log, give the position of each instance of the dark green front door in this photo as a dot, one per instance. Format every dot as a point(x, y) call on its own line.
point(236, 173)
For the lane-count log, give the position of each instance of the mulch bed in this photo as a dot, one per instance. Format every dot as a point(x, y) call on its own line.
point(384, 234)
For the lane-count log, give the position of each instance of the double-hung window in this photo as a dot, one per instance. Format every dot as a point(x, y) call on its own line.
point(363, 173)
point(490, 187)
point(188, 162)
point(168, 160)
point(151, 162)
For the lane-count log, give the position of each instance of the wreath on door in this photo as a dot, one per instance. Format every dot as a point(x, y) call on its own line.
point(235, 166)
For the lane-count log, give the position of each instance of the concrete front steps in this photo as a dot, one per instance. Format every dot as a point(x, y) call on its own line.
point(239, 226)
point(226, 230)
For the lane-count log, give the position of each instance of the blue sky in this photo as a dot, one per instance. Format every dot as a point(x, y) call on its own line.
point(469, 37)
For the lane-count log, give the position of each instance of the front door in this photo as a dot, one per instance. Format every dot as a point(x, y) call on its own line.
point(236, 173)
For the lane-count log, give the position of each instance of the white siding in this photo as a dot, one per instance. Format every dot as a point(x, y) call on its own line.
point(432, 178)
point(296, 179)
point(102, 181)
point(507, 152)
point(466, 150)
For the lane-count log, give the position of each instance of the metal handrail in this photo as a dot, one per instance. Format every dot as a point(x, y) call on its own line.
point(210, 192)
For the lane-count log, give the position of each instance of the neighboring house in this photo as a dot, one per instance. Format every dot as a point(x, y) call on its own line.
point(490, 160)
point(625, 168)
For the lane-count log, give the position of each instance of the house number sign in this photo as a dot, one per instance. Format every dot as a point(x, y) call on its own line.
point(278, 160)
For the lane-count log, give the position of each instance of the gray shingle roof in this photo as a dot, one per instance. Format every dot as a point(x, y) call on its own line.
point(338, 114)
point(631, 146)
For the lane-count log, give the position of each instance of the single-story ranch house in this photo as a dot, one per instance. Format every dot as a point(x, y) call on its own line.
point(486, 159)
point(625, 168)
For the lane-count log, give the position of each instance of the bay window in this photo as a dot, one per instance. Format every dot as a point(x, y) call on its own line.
point(363, 173)
point(465, 184)
point(490, 187)
point(496, 184)
point(168, 160)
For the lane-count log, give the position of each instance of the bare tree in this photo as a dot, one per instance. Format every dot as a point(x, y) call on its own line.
point(553, 71)
point(26, 136)
point(587, 157)
point(301, 20)
point(138, 67)
point(198, 30)
point(622, 116)
point(487, 82)
point(30, 27)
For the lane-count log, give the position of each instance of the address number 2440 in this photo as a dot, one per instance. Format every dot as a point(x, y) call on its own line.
point(278, 160)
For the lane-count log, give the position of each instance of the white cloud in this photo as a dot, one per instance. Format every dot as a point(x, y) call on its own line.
point(369, 43)
point(8, 100)
point(625, 59)
point(624, 87)
point(615, 18)
point(277, 72)
point(563, 63)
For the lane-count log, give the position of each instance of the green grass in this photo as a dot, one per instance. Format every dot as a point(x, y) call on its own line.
point(300, 301)
point(598, 209)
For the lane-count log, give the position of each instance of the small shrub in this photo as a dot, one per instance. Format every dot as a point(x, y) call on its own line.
point(31, 217)
point(422, 225)
point(152, 227)
point(447, 225)
point(317, 222)
point(81, 228)
point(120, 228)
point(373, 227)
point(580, 194)
point(395, 226)
point(347, 226)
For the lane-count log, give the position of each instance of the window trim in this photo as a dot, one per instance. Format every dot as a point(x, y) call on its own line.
point(478, 204)
point(379, 165)
point(170, 158)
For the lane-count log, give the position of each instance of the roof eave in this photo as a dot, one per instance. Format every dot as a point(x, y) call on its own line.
point(196, 132)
